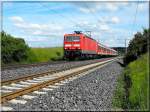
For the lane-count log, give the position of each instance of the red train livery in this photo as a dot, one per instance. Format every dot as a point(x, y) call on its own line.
point(80, 45)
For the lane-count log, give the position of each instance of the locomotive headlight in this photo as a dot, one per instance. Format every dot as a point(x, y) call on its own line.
point(77, 45)
point(67, 45)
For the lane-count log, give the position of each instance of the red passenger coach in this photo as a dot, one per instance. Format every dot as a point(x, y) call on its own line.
point(77, 45)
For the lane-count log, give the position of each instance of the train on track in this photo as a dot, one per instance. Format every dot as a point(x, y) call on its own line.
point(79, 45)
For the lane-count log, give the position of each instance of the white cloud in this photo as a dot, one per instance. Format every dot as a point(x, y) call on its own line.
point(84, 10)
point(86, 25)
point(35, 26)
point(94, 7)
point(115, 20)
point(112, 7)
point(109, 20)
point(94, 26)
point(111, 42)
point(104, 27)
point(143, 6)
point(37, 33)
point(90, 8)
point(37, 29)
point(20, 25)
point(17, 19)
point(87, 7)
point(37, 39)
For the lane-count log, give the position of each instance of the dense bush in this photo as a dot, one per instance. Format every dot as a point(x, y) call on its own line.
point(137, 46)
point(12, 49)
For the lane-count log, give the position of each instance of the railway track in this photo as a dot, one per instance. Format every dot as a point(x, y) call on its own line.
point(51, 71)
point(24, 86)
point(15, 66)
point(10, 67)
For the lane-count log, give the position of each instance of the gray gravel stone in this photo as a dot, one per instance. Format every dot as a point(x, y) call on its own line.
point(19, 72)
point(93, 91)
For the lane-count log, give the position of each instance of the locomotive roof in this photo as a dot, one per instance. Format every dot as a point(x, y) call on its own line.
point(81, 34)
point(89, 37)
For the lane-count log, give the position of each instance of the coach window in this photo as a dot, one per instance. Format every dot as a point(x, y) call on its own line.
point(76, 38)
point(68, 38)
point(72, 38)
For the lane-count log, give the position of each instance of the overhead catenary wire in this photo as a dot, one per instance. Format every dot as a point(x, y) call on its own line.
point(92, 12)
point(94, 15)
point(134, 22)
point(61, 15)
point(134, 17)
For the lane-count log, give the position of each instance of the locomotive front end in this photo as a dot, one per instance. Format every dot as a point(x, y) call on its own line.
point(72, 45)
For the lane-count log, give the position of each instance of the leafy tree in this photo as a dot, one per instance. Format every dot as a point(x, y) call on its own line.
point(146, 36)
point(12, 49)
point(137, 46)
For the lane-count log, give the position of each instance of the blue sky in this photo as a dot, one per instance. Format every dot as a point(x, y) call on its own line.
point(43, 24)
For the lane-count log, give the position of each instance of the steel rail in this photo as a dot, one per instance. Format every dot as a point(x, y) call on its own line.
point(31, 76)
point(38, 86)
point(10, 67)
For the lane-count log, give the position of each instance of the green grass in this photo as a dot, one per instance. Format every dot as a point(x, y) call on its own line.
point(37, 55)
point(45, 54)
point(119, 94)
point(138, 96)
point(139, 89)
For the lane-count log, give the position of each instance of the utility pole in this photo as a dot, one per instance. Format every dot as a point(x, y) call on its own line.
point(125, 46)
point(125, 42)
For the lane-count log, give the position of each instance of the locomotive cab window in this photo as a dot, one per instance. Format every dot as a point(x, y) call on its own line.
point(72, 38)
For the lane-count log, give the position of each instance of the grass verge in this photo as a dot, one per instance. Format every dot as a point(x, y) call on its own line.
point(37, 55)
point(132, 91)
point(119, 94)
point(45, 54)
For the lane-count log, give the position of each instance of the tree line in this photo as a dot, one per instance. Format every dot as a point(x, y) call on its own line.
point(13, 49)
point(139, 45)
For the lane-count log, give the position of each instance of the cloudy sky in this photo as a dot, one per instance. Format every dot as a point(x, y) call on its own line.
point(43, 24)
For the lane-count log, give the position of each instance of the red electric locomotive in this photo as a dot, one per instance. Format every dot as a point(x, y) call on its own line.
point(79, 45)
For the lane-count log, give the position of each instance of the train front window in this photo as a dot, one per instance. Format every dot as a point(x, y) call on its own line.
point(72, 38)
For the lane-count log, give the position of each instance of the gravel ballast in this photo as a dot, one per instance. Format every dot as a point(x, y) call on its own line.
point(24, 71)
point(93, 91)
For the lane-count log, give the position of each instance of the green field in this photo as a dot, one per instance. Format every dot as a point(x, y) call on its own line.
point(45, 54)
point(132, 89)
